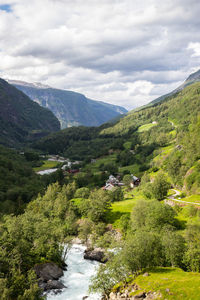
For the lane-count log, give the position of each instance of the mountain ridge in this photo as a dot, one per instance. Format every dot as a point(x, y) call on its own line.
point(71, 108)
point(194, 77)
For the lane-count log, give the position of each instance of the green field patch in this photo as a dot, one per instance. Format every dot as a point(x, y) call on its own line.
point(47, 164)
point(192, 198)
point(146, 127)
point(125, 207)
point(134, 169)
point(127, 145)
point(173, 133)
point(172, 283)
point(118, 209)
point(94, 167)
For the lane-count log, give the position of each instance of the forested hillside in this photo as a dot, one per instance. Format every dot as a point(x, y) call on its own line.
point(18, 182)
point(21, 119)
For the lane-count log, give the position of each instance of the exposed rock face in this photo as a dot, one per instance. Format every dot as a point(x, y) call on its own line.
point(97, 254)
point(71, 108)
point(48, 275)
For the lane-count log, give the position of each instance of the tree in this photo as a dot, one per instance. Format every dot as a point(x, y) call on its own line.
point(142, 250)
point(174, 248)
point(160, 186)
point(99, 205)
point(85, 228)
point(82, 193)
point(117, 194)
point(127, 180)
point(192, 254)
point(152, 215)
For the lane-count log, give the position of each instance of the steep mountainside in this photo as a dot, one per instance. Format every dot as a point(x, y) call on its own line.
point(71, 109)
point(21, 119)
point(194, 77)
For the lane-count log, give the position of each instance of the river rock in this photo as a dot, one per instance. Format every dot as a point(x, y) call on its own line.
point(48, 271)
point(54, 285)
point(97, 254)
point(48, 275)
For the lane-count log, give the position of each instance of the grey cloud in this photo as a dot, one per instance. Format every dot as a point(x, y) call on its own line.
point(105, 48)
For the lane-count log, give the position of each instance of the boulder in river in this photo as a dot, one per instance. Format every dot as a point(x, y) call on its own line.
point(48, 275)
point(97, 254)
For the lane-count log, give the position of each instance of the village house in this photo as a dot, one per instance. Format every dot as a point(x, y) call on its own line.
point(112, 182)
point(135, 181)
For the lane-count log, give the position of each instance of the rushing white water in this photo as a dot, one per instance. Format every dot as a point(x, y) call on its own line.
point(77, 277)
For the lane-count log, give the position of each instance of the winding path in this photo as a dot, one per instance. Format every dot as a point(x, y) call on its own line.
point(172, 197)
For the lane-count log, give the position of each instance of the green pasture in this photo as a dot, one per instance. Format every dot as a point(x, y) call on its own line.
point(146, 127)
point(171, 283)
point(47, 164)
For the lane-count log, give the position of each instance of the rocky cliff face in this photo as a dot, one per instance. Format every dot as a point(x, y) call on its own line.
point(71, 109)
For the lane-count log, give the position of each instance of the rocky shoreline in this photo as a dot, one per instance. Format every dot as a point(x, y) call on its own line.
point(140, 296)
point(48, 275)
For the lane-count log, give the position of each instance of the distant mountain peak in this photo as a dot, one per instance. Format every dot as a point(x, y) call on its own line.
point(36, 85)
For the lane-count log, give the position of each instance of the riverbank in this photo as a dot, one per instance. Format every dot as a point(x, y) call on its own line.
point(77, 276)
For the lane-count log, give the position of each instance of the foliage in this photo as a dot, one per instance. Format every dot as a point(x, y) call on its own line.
point(21, 119)
point(192, 255)
point(153, 215)
point(34, 237)
point(160, 186)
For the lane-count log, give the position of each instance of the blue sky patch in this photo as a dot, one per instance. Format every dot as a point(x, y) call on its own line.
point(6, 7)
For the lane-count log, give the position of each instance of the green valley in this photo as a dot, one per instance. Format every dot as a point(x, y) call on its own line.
point(157, 147)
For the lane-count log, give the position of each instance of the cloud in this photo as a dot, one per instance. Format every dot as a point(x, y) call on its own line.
point(124, 52)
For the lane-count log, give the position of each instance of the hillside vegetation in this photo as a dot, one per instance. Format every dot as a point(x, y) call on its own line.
point(22, 120)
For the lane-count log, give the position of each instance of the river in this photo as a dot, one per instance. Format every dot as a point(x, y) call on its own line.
point(47, 172)
point(77, 277)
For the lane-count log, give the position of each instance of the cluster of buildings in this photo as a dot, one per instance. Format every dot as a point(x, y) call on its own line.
point(113, 182)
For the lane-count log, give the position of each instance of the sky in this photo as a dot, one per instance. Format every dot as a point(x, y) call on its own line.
point(124, 52)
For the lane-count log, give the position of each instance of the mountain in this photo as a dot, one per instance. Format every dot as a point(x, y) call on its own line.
point(194, 77)
point(71, 108)
point(21, 119)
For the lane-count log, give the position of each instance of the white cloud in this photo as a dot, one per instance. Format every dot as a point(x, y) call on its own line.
point(123, 52)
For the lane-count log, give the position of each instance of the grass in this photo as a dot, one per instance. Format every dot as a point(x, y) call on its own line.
point(146, 127)
point(192, 198)
point(173, 133)
point(47, 164)
point(134, 169)
point(125, 207)
point(172, 283)
point(94, 167)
